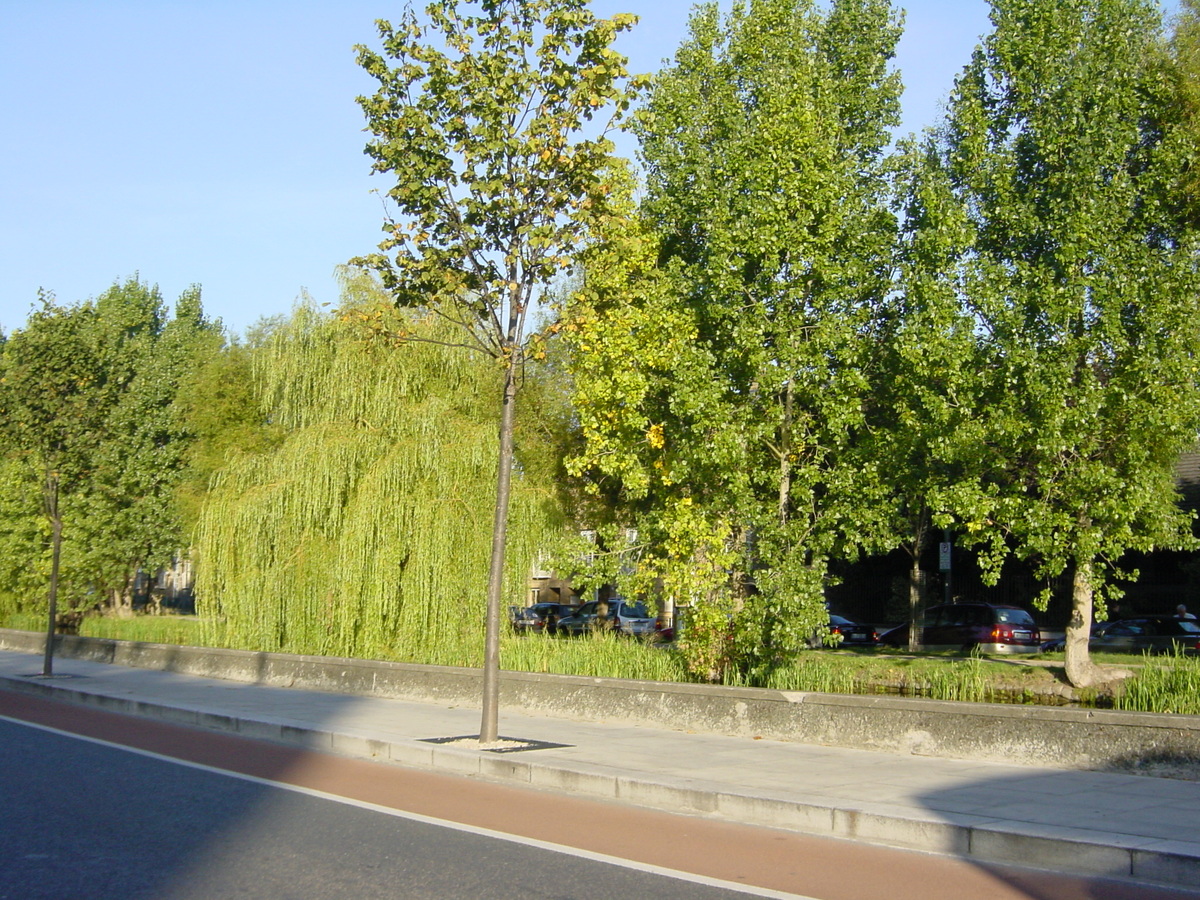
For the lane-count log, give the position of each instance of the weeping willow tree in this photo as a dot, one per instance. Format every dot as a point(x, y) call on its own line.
point(366, 531)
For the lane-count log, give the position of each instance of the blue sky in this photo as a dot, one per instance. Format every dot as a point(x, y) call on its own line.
point(219, 142)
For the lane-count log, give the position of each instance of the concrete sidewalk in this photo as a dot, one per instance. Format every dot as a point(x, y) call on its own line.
point(1122, 826)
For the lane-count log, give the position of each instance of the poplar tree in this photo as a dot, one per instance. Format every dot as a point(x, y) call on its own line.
point(493, 119)
point(925, 434)
point(128, 520)
point(764, 145)
point(1063, 150)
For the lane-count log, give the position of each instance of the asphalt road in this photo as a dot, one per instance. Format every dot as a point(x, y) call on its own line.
point(185, 814)
point(85, 820)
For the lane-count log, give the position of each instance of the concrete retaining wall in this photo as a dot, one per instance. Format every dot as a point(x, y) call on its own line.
point(1161, 745)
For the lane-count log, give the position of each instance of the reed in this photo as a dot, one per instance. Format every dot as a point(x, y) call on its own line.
point(169, 629)
point(1165, 684)
point(597, 655)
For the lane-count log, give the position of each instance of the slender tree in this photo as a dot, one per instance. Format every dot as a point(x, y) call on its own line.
point(486, 116)
point(91, 426)
point(52, 416)
point(925, 435)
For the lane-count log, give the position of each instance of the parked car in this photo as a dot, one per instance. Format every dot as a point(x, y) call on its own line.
point(852, 632)
point(618, 615)
point(990, 627)
point(541, 617)
point(1154, 634)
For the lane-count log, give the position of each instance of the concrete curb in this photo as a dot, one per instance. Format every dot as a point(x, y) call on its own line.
point(979, 838)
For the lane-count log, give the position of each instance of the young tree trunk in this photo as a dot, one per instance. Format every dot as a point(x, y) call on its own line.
point(488, 728)
point(55, 556)
point(785, 455)
point(120, 601)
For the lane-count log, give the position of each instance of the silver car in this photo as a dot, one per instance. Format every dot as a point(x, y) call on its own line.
point(1157, 634)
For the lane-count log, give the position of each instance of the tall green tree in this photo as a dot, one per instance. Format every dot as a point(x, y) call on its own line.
point(129, 520)
point(765, 146)
point(925, 435)
point(91, 393)
point(1064, 151)
point(493, 119)
point(52, 417)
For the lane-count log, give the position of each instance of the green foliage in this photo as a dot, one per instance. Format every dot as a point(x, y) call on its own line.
point(480, 121)
point(91, 426)
point(721, 345)
point(132, 521)
point(219, 409)
point(53, 407)
point(24, 536)
point(1079, 273)
point(366, 530)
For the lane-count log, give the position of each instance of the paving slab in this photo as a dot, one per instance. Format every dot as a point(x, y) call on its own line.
point(1114, 825)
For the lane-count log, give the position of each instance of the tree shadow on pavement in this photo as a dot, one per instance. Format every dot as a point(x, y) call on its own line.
point(1111, 834)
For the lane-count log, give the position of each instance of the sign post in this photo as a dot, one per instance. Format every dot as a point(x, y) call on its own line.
point(945, 564)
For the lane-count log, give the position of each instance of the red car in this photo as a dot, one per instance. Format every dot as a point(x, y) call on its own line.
point(988, 627)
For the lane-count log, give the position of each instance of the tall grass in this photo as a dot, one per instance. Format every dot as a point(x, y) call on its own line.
point(184, 630)
point(972, 679)
point(1165, 684)
point(24, 621)
point(596, 655)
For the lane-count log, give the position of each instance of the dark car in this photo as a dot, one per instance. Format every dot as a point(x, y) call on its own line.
point(1154, 634)
point(988, 627)
point(852, 633)
point(541, 617)
point(616, 615)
